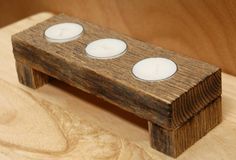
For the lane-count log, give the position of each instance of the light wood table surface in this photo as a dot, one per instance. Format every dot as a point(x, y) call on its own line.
point(57, 121)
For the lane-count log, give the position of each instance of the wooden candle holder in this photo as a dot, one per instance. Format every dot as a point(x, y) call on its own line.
point(179, 110)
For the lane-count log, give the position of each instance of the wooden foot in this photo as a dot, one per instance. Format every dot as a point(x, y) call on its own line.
point(30, 77)
point(174, 142)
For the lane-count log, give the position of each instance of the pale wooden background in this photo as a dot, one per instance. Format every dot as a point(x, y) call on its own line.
point(203, 29)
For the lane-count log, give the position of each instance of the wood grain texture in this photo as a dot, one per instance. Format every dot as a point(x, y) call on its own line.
point(218, 144)
point(174, 142)
point(29, 76)
point(198, 28)
point(41, 130)
point(167, 103)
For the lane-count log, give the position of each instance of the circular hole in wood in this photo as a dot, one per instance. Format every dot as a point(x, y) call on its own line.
point(154, 69)
point(63, 32)
point(107, 48)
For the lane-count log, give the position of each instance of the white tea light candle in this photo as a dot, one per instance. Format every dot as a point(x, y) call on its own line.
point(63, 32)
point(106, 48)
point(154, 69)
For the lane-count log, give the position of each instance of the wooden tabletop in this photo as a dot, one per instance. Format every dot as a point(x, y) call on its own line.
point(60, 122)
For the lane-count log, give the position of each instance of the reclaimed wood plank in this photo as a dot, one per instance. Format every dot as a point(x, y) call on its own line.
point(167, 103)
point(30, 77)
point(218, 144)
point(174, 142)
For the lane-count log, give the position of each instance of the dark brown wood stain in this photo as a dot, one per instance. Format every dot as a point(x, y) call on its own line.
point(176, 141)
point(168, 104)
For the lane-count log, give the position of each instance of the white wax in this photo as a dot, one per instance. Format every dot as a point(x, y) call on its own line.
point(154, 69)
point(106, 48)
point(63, 32)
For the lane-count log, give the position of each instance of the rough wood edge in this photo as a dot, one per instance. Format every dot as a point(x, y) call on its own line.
point(167, 119)
point(174, 142)
point(196, 99)
point(168, 114)
point(29, 76)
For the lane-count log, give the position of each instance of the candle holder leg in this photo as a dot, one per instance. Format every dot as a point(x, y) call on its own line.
point(174, 142)
point(29, 76)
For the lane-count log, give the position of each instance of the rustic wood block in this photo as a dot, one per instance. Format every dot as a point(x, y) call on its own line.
point(174, 142)
point(30, 77)
point(166, 104)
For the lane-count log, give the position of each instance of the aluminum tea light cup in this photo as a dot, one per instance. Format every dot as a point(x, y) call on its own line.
point(154, 69)
point(107, 48)
point(63, 32)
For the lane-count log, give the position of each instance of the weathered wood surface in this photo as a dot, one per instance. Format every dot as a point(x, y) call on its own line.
point(174, 142)
point(168, 103)
point(202, 29)
point(29, 76)
point(83, 109)
point(171, 142)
